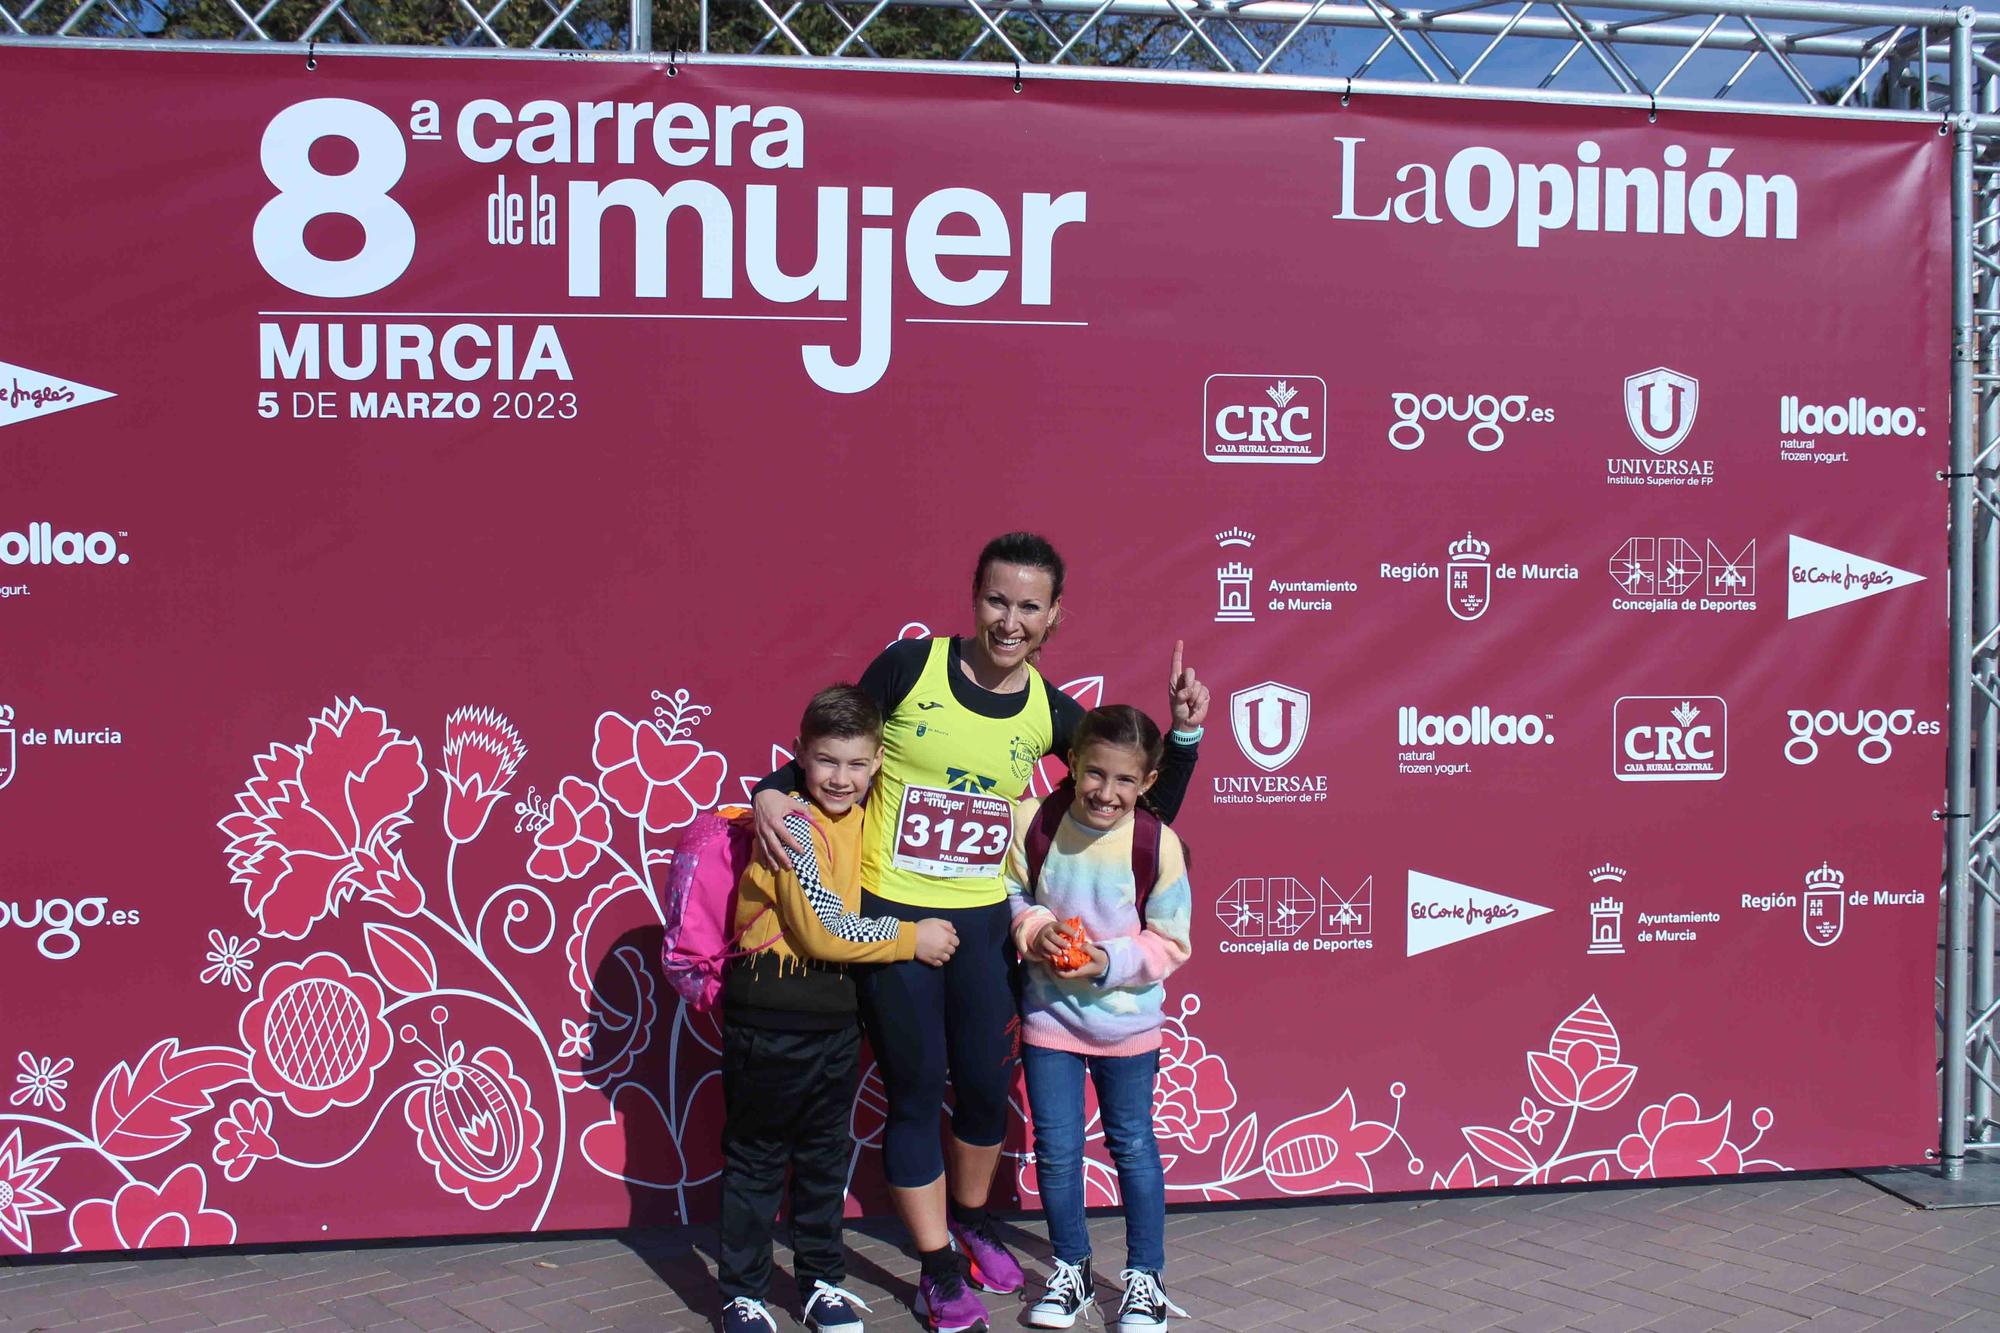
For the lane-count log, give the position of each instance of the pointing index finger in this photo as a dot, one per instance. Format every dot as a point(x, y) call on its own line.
point(1175, 679)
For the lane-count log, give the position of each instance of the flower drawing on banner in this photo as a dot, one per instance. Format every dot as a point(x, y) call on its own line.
point(473, 1119)
point(571, 832)
point(142, 1217)
point(20, 1194)
point(1329, 1149)
point(229, 960)
point(780, 756)
point(1464, 1175)
point(243, 1137)
point(576, 1038)
point(1581, 1067)
point(481, 752)
point(42, 1081)
point(320, 822)
point(1674, 1139)
point(651, 771)
point(1192, 1097)
point(315, 1034)
point(1531, 1120)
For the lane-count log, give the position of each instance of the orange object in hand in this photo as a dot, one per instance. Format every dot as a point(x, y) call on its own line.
point(1076, 947)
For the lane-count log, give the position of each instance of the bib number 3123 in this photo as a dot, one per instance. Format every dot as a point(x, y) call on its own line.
point(952, 834)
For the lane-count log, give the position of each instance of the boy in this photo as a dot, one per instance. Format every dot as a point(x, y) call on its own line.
point(790, 1040)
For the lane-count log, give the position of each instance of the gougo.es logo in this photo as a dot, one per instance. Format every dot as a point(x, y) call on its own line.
point(60, 919)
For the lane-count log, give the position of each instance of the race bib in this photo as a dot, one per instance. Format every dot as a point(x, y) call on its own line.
point(952, 834)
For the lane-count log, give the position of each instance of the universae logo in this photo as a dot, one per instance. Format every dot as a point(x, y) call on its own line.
point(1269, 721)
point(1264, 419)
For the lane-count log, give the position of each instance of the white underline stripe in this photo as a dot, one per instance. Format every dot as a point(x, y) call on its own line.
point(1038, 323)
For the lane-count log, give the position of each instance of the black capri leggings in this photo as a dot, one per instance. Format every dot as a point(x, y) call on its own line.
point(924, 1021)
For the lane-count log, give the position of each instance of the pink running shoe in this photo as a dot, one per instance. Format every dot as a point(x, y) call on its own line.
point(988, 1264)
point(946, 1306)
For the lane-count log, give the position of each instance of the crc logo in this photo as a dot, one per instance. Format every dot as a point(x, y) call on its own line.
point(1270, 721)
point(1264, 419)
point(1874, 728)
point(59, 919)
point(1485, 417)
point(1669, 738)
point(1660, 406)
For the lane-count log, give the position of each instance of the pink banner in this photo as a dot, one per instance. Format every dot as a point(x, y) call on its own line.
point(431, 482)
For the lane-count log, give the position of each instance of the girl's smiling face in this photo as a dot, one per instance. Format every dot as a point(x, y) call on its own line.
point(1110, 779)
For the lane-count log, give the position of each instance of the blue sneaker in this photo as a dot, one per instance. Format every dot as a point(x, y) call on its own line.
point(744, 1315)
point(831, 1310)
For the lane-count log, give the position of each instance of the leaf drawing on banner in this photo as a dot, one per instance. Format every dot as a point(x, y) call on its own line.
point(1088, 691)
point(403, 961)
point(1500, 1148)
point(1242, 1145)
point(142, 1110)
point(871, 1108)
point(1605, 1085)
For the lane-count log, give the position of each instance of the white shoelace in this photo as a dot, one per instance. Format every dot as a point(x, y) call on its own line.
point(1143, 1292)
point(1066, 1283)
point(754, 1307)
point(826, 1291)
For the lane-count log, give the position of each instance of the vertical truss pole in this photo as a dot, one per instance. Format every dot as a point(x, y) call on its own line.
point(1986, 591)
point(642, 25)
point(1958, 801)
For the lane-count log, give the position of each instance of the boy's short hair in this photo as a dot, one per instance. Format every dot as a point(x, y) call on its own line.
point(840, 712)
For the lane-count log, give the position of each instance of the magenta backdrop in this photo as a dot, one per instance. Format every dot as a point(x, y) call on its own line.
point(1367, 403)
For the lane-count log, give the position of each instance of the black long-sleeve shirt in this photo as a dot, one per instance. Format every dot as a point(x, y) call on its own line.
point(895, 671)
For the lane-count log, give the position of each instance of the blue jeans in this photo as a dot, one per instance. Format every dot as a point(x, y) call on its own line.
point(1125, 1102)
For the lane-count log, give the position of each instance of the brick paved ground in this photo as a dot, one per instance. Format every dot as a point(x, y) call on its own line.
point(1829, 1253)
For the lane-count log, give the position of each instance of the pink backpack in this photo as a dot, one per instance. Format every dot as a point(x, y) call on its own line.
point(700, 905)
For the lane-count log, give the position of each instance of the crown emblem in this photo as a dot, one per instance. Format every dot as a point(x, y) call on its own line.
point(1234, 537)
point(1470, 549)
point(1608, 874)
point(1685, 712)
point(1282, 393)
point(1826, 877)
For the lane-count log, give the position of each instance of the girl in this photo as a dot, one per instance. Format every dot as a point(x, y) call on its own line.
point(968, 718)
point(1099, 1013)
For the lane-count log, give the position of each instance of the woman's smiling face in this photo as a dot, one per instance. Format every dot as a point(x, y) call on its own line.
point(1014, 611)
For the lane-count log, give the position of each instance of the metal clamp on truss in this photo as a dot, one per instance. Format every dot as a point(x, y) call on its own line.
point(1940, 815)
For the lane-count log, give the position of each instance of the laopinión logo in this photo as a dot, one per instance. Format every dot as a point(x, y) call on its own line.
point(1803, 426)
point(1874, 730)
point(1660, 409)
point(60, 919)
point(1263, 419)
point(1670, 738)
point(1484, 416)
point(44, 544)
point(1673, 574)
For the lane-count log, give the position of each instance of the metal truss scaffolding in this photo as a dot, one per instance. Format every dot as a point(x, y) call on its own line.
point(1804, 57)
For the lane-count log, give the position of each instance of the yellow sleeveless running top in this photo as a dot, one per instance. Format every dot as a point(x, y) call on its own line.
point(938, 822)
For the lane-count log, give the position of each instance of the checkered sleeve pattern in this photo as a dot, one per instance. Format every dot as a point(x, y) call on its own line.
point(833, 913)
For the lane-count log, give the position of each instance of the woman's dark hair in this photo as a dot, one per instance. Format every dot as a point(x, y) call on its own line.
point(1121, 724)
point(1020, 548)
point(840, 712)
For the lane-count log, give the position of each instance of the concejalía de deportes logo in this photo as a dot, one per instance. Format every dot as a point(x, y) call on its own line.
point(723, 164)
